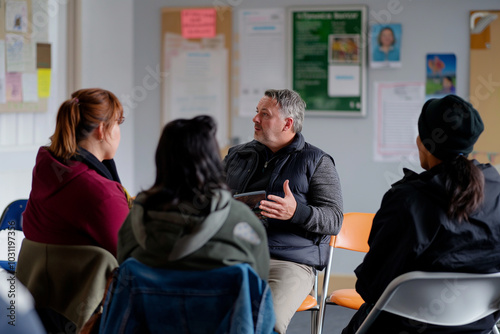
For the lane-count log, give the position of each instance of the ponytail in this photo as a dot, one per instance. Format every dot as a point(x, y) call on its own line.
point(63, 141)
point(79, 116)
point(464, 183)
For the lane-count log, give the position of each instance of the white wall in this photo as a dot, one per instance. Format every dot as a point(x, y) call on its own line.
point(107, 62)
point(429, 26)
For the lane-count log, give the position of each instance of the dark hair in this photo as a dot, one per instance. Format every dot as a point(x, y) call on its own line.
point(379, 37)
point(79, 116)
point(464, 183)
point(188, 164)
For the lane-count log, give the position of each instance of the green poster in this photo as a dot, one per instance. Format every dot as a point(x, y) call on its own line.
point(328, 59)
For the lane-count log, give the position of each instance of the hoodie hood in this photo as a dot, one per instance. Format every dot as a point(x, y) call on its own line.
point(178, 233)
point(50, 175)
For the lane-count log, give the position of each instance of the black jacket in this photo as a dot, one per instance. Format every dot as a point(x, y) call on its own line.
point(292, 240)
point(411, 231)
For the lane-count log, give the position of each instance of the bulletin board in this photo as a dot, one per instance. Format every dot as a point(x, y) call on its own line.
point(25, 59)
point(196, 65)
point(484, 81)
point(327, 62)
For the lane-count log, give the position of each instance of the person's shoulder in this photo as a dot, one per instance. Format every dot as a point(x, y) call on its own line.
point(242, 146)
point(308, 147)
point(490, 172)
point(97, 186)
point(241, 150)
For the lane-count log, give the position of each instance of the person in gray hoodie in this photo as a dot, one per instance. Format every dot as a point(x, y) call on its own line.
point(188, 220)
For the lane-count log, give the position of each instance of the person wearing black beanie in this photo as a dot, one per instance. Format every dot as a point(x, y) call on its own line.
point(446, 218)
point(449, 127)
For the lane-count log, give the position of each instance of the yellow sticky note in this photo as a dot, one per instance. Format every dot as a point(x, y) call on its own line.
point(44, 82)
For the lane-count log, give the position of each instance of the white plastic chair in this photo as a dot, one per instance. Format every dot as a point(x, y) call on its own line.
point(459, 297)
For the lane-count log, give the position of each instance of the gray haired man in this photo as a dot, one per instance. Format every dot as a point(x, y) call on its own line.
point(304, 199)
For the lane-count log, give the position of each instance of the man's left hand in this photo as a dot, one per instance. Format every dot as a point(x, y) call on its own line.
point(282, 208)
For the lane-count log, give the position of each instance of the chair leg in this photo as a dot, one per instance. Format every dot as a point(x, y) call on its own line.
point(314, 321)
point(495, 329)
point(324, 294)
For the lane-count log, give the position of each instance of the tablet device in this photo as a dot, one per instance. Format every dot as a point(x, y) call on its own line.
point(252, 199)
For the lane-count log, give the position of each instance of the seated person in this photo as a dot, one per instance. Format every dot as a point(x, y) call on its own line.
point(304, 203)
point(188, 219)
point(76, 196)
point(445, 219)
point(76, 199)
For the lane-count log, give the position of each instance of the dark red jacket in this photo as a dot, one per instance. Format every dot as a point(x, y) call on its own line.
point(73, 205)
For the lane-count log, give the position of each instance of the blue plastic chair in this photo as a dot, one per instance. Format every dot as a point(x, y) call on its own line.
point(12, 219)
point(12, 215)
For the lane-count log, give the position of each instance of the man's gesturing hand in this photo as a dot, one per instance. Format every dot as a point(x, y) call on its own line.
point(282, 208)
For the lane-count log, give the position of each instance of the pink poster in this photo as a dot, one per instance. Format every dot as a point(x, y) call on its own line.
point(198, 23)
point(13, 87)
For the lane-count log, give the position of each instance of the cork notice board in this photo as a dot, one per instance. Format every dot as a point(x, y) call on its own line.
point(484, 81)
point(196, 65)
point(25, 60)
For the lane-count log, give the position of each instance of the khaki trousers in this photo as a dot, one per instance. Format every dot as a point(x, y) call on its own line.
point(290, 284)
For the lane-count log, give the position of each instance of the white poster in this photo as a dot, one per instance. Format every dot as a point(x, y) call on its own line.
point(16, 16)
point(398, 106)
point(40, 20)
point(262, 55)
point(15, 50)
point(343, 80)
point(30, 87)
point(199, 87)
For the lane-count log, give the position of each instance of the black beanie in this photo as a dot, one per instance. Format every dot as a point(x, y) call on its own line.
point(449, 127)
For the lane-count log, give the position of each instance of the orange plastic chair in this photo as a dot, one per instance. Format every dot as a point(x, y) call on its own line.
point(353, 236)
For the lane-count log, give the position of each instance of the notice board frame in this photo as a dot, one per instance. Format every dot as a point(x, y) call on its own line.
point(323, 68)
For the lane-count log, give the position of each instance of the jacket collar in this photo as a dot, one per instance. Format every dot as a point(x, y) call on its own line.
point(106, 168)
point(411, 176)
point(426, 176)
point(296, 145)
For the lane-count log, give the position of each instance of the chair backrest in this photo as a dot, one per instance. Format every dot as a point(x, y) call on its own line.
point(231, 299)
point(439, 298)
point(355, 231)
point(70, 280)
point(12, 215)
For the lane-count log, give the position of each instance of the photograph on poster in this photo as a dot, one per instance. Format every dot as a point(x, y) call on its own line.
point(343, 48)
point(441, 75)
point(386, 45)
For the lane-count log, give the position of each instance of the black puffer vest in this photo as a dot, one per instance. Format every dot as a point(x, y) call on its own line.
point(287, 241)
